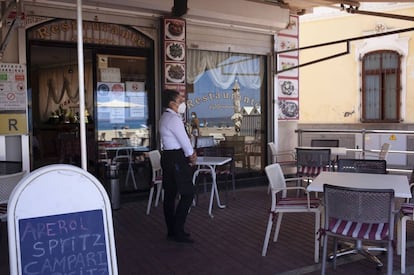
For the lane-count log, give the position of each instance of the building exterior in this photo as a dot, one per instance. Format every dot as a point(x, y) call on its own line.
point(335, 94)
point(129, 57)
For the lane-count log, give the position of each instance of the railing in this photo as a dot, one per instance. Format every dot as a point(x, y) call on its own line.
point(364, 134)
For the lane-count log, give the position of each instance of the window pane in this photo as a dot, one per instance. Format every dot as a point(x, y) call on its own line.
point(372, 62)
point(390, 96)
point(372, 97)
point(390, 61)
point(226, 97)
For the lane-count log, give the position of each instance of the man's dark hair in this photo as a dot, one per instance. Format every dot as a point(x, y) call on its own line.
point(168, 96)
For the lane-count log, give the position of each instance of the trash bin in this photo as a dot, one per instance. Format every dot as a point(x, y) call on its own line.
point(113, 177)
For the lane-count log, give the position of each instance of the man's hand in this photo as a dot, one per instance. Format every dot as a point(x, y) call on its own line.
point(193, 158)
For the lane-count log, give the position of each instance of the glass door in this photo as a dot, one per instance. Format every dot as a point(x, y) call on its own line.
point(122, 101)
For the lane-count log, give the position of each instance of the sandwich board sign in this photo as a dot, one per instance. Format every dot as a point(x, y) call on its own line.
point(60, 222)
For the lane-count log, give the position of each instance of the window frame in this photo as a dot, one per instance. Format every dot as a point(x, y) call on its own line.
point(382, 71)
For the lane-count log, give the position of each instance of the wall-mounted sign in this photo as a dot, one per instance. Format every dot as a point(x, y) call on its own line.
point(288, 89)
point(173, 57)
point(13, 99)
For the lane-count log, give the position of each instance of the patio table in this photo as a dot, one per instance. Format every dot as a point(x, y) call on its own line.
point(209, 164)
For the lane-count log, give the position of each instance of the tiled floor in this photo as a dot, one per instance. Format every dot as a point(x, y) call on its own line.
point(229, 243)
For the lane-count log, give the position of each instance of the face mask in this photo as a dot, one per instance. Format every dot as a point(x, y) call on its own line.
point(181, 108)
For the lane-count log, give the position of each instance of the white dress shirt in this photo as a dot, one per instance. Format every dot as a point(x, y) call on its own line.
point(173, 133)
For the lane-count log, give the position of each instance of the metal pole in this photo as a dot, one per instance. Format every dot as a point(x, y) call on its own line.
point(81, 74)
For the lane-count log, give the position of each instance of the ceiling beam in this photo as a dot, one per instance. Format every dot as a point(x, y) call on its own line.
point(354, 10)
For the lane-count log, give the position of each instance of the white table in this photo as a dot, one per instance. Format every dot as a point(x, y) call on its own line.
point(398, 183)
point(209, 164)
point(129, 150)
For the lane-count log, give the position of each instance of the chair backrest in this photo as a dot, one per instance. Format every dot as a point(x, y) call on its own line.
point(313, 157)
point(276, 178)
point(273, 149)
point(359, 205)
point(7, 184)
point(384, 151)
point(325, 143)
point(155, 160)
point(373, 166)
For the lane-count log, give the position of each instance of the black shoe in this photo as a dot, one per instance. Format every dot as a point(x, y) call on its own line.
point(183, 239)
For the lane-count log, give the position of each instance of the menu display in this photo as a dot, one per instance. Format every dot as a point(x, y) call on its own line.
point(174, 72)
point(288, 79)
point(71, 243)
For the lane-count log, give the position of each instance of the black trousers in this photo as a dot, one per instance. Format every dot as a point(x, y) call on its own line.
point(177, 177)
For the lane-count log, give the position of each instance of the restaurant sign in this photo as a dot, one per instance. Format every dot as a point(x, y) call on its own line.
point(93, 33)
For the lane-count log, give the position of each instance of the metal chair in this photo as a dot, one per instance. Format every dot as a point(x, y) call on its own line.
point(155, 160)
point(373, 166)
point(407, 214)
point(310, 162)
point(7, 184)
point(358, 214)
point(370, 166)
point(281, 203)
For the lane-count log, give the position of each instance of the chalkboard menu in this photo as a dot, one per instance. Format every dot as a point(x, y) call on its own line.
point(72, 243)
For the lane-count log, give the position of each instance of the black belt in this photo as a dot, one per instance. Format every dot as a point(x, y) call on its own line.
point(173, 150)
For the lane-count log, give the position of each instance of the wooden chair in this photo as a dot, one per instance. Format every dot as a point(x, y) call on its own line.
point(155, 160)
point(358, 214)
point(281, 204)
point(239, 145)
point(227, 170)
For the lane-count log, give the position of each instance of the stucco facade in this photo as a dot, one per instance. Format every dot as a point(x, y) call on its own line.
point(330, 90)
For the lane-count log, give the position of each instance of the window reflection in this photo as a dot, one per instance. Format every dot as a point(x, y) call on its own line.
point(225, 95)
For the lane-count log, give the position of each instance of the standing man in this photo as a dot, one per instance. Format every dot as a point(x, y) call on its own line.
point(176, 160)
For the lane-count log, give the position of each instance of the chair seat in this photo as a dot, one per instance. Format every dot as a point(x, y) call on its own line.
point(367, 231)
point(407, 208)
point(311, 171)
point(298, 202)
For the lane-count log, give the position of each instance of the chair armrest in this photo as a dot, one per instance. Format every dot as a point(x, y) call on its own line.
point(296, 188)
point(290, 155)
point(300, 178)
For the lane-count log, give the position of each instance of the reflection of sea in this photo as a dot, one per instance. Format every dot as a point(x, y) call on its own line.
point(216, 122)
point(132, 124)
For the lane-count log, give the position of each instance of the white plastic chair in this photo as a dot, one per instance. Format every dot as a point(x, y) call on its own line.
point(284, 204)
point(284, 158)
point(155, 159)
point(7, 184)
point(382, 154)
